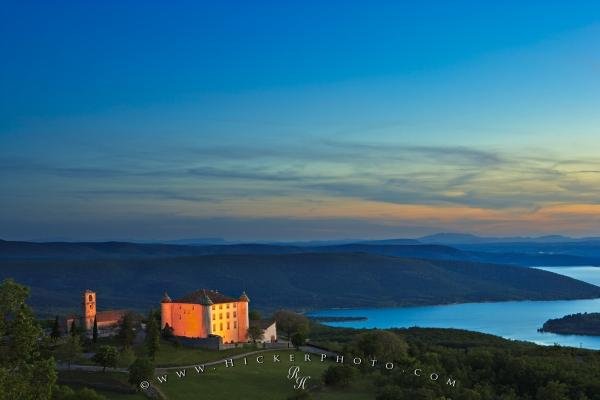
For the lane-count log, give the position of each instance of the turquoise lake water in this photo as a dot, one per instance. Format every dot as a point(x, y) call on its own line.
point(517, 320)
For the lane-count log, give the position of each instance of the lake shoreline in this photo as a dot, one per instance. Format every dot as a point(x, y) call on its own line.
point(513, 319)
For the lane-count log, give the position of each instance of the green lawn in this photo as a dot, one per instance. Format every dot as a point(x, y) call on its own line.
point(255, 381)
point(360, 389)
point(252, 381)
point(170, 355)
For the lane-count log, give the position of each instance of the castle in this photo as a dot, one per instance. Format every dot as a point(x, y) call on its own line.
point(104, 319)
point(205, 313)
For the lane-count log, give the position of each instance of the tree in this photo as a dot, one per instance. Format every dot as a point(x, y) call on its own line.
point(254, 315)
point(298, 339)
point(156, 314)
point(55, 334)
point(74, 330)
point(290, 322)
point(553, 391)
point(168, 332)
point(95, 331)
point(126, 357)
point(87, 394)
point(107, 357)
point(152, 336)
point(126, 332)
point(142, 369)
point(255, 333)
point(25, 373)
point(382, 345)
point(338, 375)
point(70, 351)
point(300, 395)
point(391, 392)
point(62, 392)
point(66, 393)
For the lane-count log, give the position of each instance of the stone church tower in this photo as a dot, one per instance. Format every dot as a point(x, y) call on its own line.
point(89, 309)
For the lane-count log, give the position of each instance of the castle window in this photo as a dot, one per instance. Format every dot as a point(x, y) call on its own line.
point(228, 325)
point(234, 324)
point(220, 306)
point(90, 306)
point(214, 327)
point(221, 326)
point(213, 307)
point(220, 315)
point(227, 315)
point(227, 305)
point(234, 314)
point(213, 317)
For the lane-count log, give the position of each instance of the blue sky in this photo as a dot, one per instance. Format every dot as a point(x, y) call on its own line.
point(276, 120)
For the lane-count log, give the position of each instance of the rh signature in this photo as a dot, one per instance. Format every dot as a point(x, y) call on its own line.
point(294, 374)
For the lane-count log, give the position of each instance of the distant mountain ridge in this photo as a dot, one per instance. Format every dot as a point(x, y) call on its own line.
point(467, 238)
point(523, 254)
point(295, 280)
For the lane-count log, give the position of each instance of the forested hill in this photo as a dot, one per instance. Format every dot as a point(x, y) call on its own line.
point(527, 256)
point(574, 324)
point(300, 281)
point(95, 250)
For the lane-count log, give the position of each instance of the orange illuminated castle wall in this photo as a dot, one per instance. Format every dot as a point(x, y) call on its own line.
point(207, 312)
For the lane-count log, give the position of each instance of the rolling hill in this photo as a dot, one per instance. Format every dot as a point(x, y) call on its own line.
point(523, 254)
point(299, 280)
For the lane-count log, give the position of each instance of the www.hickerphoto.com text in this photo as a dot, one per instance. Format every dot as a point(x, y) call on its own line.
point(310, 357)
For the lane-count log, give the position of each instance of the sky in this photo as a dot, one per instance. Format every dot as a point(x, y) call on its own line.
point(298, 120)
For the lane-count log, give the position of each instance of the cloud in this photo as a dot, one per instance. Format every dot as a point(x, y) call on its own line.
point(291, 177)
point(24, 166)
point(454, 155)
point(247, 174)
point(144, 193)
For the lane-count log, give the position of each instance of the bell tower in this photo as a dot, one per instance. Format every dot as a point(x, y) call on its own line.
point(89, 309)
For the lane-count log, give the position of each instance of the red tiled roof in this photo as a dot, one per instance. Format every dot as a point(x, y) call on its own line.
point(262, 323)
point(198, 297)
point(110, 316)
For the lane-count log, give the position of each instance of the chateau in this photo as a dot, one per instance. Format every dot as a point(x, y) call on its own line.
point(104, 319)
point(205, 313)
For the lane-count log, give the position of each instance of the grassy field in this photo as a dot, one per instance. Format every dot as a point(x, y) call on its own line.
point(251, 381)
point(256, 381)
point(170, 355)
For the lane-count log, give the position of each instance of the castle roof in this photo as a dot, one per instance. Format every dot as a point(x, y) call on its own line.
point(206, 297)
point(262, 323)
point(110, 316)
point(166, 298)
point(101, 316)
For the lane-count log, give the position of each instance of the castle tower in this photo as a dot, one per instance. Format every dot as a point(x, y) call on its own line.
point(166, 307)
point(89, 309)
point(243, 317)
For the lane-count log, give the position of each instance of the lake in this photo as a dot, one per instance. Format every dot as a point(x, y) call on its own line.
point(518, 320)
